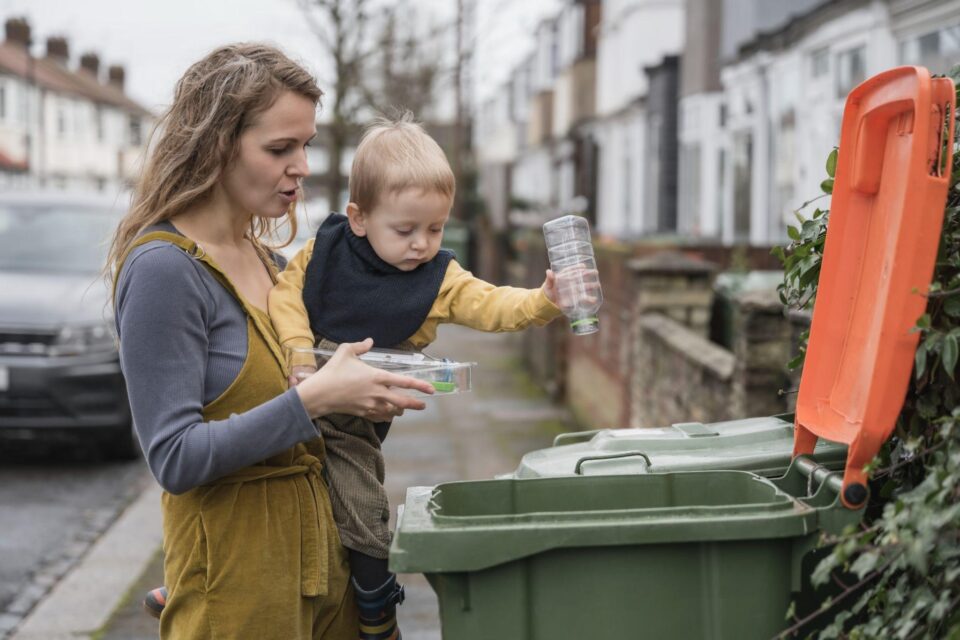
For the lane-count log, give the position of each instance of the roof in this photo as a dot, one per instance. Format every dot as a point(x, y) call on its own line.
point(797, 27)
point(9, 164)
point(49, 74)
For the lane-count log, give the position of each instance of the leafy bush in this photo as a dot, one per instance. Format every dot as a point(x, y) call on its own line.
point(905, 557)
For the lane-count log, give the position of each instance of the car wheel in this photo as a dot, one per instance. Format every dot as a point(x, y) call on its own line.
point(123, 444)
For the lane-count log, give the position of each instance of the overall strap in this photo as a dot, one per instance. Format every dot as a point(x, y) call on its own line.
point(197, 252)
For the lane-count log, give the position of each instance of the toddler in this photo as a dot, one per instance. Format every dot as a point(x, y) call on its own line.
point(379, 272)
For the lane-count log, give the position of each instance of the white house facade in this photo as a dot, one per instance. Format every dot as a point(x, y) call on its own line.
point(63, 126)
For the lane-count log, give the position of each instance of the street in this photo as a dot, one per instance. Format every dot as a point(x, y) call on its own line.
point(54, 501)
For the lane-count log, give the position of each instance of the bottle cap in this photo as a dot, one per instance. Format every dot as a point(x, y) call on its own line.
point(585, 326)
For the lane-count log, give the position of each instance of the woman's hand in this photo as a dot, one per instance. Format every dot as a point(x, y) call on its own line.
point(347, 385)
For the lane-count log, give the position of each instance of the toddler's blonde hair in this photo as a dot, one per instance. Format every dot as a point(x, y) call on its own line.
point(396, 154)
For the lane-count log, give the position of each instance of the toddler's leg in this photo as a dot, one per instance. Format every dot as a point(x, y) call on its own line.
point(377, 594)
point(355, 474)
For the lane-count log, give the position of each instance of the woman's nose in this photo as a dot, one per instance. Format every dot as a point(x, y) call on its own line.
point(300, 167)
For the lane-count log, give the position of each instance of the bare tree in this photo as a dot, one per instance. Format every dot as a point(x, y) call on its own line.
point(341, 26)
point(408, 62)
point(382, 60)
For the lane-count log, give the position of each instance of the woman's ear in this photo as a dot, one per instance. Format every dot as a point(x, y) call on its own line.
point(356, 218)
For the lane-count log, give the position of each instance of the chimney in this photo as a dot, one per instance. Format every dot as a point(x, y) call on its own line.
point(90, 63)
point(57, 49)
point(18, 32)
point(115, 76)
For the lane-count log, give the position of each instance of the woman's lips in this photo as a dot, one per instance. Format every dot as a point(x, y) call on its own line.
point(289, 196)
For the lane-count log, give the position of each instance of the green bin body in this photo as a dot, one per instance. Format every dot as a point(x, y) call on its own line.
point(709, 554)
point(760, 445)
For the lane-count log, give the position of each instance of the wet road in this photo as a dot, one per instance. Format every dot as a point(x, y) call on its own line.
point(54, 501)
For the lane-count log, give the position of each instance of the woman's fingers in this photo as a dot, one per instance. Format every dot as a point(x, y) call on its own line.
point(405, 382)
point(386, 414)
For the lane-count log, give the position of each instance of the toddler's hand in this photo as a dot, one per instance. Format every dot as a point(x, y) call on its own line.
point(299, 372)
point(550, 287)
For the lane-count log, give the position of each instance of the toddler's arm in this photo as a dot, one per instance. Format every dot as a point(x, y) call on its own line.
point(475, 303)
point(289, 315)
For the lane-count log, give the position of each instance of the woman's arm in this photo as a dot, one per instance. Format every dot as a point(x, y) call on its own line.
point(163, 313)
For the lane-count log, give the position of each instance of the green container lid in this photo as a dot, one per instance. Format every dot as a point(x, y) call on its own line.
point(760, 445)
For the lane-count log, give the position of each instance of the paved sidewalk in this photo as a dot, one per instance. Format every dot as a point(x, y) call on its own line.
point(469, 436)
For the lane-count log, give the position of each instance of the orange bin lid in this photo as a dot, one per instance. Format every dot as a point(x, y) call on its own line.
point(886, 214)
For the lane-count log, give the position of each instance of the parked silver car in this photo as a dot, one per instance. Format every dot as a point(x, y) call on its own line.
point(59, 367)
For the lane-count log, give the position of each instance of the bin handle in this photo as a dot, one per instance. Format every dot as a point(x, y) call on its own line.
point(578, 470)
point(574, 436)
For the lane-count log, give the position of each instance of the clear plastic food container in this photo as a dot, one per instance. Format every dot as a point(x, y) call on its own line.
point(446, 376)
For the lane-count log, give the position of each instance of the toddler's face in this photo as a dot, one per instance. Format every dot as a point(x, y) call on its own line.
point(405, 228)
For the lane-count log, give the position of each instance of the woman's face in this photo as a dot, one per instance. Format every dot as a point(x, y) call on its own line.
point(263, 180)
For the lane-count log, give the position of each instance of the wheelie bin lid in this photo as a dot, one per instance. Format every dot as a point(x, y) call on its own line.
point(882, 238)
point(759, 445)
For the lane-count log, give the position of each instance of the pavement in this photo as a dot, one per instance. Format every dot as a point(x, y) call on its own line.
point(474, 435)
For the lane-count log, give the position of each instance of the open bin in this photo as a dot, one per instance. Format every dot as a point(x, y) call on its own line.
point(679, 555)
point(717, 554)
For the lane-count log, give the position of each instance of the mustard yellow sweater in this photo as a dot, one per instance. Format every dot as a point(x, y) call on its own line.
point(463, 299)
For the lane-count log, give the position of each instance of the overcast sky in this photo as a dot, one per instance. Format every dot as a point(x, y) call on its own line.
point(156, 40)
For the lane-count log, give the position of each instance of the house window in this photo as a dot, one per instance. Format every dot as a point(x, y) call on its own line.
point(851, 70)
point(820, 62)
point(742, 185)
point(136, 135)
point(627, 187)
point(784, 166)
point(98, 122)
point(689, 191)
point(937, 50)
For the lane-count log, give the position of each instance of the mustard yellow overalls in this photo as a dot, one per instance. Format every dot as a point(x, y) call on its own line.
point(255, 554)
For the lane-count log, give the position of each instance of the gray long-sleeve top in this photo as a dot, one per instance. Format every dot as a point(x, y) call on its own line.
point(183, 340)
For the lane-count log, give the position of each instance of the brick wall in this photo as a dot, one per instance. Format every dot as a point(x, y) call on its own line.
point(652, 363)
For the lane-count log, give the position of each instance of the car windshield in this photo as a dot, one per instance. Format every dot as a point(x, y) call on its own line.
point(56, 238)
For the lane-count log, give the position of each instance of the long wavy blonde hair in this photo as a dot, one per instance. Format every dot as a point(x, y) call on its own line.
point(198, 137)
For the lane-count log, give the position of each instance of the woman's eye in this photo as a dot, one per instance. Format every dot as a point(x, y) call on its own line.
point(279, 151)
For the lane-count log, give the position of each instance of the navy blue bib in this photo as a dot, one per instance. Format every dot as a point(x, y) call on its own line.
point(351, 294)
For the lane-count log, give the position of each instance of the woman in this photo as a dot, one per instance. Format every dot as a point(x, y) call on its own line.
point(250, 546)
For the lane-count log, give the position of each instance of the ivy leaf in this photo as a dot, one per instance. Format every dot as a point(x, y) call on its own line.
point(832, 163)
point(793, 232)
point(827, 185)
point(791, 611)
point(951, 306)
point(866, 563)
point(949, 354)
point(920, 361)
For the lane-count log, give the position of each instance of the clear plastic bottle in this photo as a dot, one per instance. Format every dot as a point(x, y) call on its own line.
point(572, 261)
